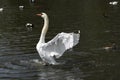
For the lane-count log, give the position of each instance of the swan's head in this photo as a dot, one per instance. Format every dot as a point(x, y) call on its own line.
point(43, 15)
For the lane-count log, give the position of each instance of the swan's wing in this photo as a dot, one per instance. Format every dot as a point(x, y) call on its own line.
point(59, 44)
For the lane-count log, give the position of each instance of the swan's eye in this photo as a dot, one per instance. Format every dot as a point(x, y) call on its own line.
point(41, 14)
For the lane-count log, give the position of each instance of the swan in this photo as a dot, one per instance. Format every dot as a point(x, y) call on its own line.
point(57, 46)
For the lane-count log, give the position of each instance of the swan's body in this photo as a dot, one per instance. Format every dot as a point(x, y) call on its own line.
point(57, 46)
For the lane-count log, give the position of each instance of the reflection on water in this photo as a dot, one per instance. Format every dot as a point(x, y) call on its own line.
point(99, 25)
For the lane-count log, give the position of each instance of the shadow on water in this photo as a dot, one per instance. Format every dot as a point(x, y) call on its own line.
point(94, 58)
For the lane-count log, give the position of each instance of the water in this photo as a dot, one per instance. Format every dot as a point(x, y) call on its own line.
point(89, 60)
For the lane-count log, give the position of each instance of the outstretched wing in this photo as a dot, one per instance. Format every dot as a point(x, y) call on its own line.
point(59, 44)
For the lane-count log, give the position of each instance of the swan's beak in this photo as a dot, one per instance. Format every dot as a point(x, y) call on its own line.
point(39, 14)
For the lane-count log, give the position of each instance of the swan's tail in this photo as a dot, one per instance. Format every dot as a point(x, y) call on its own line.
point(76, 38)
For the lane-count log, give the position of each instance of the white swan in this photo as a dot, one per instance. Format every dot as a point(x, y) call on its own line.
point(57, 46)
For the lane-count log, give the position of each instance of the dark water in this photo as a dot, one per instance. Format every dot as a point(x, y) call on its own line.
point(98, 21)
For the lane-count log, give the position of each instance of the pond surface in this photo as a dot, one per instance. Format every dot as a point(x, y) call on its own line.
point(91, 59)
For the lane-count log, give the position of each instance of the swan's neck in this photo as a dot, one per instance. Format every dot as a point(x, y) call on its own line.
point(44, 30)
